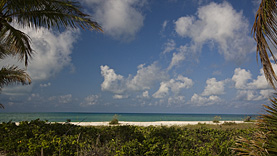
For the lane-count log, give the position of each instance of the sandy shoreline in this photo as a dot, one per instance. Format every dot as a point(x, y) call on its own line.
point(157, 123)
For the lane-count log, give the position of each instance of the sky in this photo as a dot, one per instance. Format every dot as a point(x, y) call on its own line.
point(154, 56)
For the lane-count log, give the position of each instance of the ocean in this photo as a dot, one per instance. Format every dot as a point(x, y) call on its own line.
point(99, 117)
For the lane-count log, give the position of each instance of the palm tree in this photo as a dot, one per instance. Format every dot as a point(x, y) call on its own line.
point(265, 34)
point(57, 14)
point(37, 13)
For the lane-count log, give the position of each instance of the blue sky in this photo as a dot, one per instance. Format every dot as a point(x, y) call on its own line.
point(170, 56)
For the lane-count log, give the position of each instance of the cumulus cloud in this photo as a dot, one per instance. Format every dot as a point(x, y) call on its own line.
point(213, 87)
point(112, 82)
point(221, 24)
point(175, 85)
point(90, 100)
point(241, 77)
point(199, 100)
point(260, 82)
point(121, 19)
point(183, 24)
point(252, 89)
point(52, 52)
point(145, 77)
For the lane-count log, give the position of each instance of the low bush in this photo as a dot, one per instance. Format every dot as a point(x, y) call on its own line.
point(114, 121)
point(216, 119)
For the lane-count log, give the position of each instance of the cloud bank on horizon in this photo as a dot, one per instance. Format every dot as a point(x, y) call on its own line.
point(202, 63)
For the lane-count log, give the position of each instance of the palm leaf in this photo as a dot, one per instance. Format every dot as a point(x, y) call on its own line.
point(264, 141)
point(49, 13)
point(10, 75)
point(38, 13)
point(1, 106)
point(15, 42)
point(265, 29)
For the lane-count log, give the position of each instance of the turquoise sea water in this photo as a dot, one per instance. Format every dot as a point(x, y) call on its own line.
point(96, 117)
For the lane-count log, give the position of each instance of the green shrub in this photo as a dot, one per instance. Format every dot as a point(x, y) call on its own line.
point(114, 121)
point(216, 119)
point(229, 123)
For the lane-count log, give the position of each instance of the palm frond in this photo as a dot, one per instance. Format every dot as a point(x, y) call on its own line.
point(2, 106)
point(10, 75)
point(265, 140)
point(265, 29)
point(49, 13)
point(254, 147)
point(15, 42)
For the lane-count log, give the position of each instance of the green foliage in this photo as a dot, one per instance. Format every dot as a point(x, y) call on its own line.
point(216, 119)
point(229, 123)
point(114, 121)
point(35, 137)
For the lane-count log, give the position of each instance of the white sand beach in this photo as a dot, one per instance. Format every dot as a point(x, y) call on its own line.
point(157, 123)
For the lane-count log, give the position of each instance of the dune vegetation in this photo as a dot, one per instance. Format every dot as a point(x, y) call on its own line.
point(41, 138)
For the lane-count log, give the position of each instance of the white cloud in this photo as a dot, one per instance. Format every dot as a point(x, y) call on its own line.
point(221, 24)
point(65, 98)
point(176, 100)
point(169, 46)
point(118, 96)
point(145, 94)
point(112, 82)
point(241, 77)
point(163, 90)
point(164, 26)
point(260, 82)
point(17, 89)
point(175, 85)
point(121, 19)
point(183, 24)
point(145, 78)
point(267, 93)
point(176, 59)
point(213, 87)
point(183, 53)
point(90, 100)
point(52, 52)
point(33, 96)
point(249, 95)
point(257, 89)
point(61, 99)
point(45, 85)
point(198, 100)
